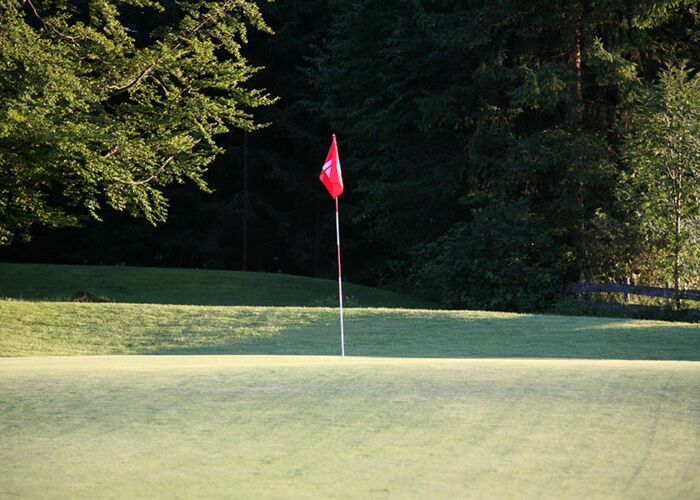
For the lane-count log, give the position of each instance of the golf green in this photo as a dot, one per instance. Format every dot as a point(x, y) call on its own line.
point(300, 426)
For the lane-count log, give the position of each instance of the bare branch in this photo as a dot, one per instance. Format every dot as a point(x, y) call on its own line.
point(160, 84)
point(150, 177)
point(112, 151)
point(48, 26)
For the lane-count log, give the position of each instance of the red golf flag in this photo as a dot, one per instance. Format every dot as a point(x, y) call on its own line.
point(331, 176)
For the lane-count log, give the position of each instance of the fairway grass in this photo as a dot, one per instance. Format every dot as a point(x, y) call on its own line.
point(320, 427)
point(54, 328)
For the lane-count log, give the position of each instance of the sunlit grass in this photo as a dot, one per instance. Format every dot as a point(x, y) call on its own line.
point(318, 427)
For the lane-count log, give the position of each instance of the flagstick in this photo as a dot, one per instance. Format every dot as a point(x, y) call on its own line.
point(340, 280)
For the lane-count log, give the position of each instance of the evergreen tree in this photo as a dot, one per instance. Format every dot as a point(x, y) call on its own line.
point(463, 112)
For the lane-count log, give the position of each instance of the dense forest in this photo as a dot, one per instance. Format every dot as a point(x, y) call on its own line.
point(492, 152)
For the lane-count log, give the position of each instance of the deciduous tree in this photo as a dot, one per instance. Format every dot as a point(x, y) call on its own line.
point(662, 185)
point(95, 112)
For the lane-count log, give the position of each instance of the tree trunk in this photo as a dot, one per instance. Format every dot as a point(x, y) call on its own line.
point(677, 239)
point(676, 255)
point(577, 89)
point(317, 240)
point(246, 203)
point(578, 230)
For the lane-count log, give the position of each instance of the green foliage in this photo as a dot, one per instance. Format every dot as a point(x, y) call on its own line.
point(503, 259)
point(661, 186)
point(660, 311)
point(95, 113)
point(384, 85)
point(618, 249)
point(492, 126)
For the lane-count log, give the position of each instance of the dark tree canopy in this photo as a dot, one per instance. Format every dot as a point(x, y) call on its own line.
point(485, 135)
point(482, 142)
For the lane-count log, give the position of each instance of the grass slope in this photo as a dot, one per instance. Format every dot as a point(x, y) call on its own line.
point(54, 328)
point(299, 427)
point(188, 286)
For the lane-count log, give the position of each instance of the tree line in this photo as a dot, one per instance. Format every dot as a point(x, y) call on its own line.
point(492, 151)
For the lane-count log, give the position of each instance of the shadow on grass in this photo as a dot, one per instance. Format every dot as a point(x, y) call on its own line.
point(449, 335)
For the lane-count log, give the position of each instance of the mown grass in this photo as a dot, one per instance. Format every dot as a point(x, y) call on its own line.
point(300, 427)
point(391, 420)
point(188, 286)
point(53, 328)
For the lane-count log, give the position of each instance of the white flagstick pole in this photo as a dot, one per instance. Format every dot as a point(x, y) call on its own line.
point(340, 280)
